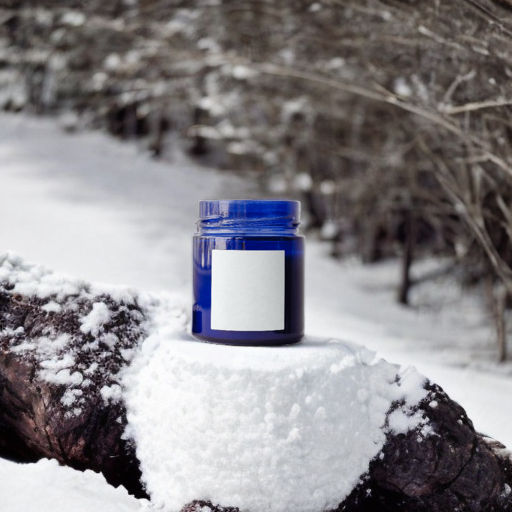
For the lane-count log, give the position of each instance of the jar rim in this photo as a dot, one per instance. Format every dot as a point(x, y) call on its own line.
point(210, 209)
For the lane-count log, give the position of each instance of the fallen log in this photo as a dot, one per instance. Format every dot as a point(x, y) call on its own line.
point(65, 343)
point(53, 369)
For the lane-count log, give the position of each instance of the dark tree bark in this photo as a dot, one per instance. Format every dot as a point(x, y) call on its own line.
point(407, 257)
point(34, 421)
point(455, 469)
point(497, 302)
point(501, 327)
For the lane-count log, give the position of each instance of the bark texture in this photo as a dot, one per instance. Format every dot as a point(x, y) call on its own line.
point(35, 420)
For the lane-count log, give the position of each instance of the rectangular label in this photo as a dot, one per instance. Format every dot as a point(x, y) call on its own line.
point(247, 290)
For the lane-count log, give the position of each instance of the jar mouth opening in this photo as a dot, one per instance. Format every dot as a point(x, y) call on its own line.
point(250, 209)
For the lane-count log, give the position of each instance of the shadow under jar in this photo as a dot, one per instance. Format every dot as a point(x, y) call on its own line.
point(248, 265)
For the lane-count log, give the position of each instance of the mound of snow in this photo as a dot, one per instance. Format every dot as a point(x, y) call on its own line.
point(33, 280)
point(48, 487)
point(260, 428)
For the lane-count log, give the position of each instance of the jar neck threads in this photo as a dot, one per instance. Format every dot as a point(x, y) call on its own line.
point(251, 216)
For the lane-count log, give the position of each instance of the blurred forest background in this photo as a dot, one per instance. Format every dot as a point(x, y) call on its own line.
point(390, 119)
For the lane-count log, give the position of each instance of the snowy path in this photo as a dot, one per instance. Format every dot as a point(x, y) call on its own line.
point(97, 208)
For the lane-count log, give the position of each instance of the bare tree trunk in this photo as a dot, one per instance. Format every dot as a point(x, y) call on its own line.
point(497, 300)
point(407, 258)
point(500, 299)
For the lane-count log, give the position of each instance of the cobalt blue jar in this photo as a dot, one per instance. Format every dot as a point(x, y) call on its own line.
point(248, 272)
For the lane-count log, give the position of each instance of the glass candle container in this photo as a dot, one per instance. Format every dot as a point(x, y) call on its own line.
point(248, 265)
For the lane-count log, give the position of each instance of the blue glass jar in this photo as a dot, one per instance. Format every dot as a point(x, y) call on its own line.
point(248, 263)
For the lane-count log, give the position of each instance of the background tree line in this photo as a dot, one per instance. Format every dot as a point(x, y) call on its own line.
point(390, 119)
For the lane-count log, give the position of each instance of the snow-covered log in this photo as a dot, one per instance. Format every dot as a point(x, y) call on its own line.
point(62, 345)
point(107, 379)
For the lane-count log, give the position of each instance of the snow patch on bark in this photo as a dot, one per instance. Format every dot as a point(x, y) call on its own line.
point(33, 280)
point(78, 345)
point(93, 322)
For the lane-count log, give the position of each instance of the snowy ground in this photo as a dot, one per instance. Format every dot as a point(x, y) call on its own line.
point(48, 487)
point(99, 209)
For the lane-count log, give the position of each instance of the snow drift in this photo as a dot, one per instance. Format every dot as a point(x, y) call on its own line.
point(261, 428)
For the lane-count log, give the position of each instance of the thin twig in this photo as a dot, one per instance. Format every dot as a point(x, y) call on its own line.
point(477, 105)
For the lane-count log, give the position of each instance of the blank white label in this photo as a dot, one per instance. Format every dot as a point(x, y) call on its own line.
point(247, 290)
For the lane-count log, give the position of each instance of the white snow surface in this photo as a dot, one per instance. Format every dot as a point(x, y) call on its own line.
point(93, 322)
point(33, 279)
point(48, 487)
point(263, 429)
